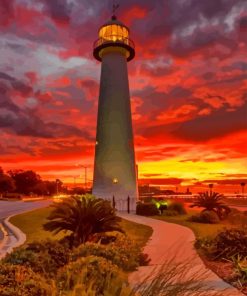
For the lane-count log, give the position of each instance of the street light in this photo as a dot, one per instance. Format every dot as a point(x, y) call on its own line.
point(85, 175)
point(114, 180)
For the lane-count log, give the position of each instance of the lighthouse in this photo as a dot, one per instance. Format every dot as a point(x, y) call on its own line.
point(114, 163)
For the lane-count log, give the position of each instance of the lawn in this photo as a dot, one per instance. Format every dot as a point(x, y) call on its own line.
point(31, 224)
point(199, 229)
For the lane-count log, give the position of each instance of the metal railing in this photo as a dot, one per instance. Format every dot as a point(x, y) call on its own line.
point(118, 40)
point(127, 204)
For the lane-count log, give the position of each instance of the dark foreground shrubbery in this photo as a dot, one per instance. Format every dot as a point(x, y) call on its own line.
point(18, 280)
point(90, 268)
point(225, 245)
point(147, 209)
point(97, 275)
point(228, 246)
point(91, 274)
point(42, 257)
point(122, 252)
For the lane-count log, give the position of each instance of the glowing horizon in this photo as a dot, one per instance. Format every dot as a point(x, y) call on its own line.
point(188, 87)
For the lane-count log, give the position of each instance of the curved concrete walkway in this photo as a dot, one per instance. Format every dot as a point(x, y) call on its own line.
point(175, 241)
point(11, 236)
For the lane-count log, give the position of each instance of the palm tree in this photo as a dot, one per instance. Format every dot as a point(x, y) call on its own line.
point(212, 202)
point(242, 184)
point(82, 217)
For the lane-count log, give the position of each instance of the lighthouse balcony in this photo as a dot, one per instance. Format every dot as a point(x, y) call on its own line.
point(126, 44)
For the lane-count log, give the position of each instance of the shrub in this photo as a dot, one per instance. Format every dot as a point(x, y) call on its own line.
point(209, 217)
point(205, 244)
point(237, 218)
point(146, 209)
point(240, 266)
point(91, 274)
point(42, 257)
point(122, 252)
point(230, 242)
point(170, 213)
point(22, 281)
point(178, 207)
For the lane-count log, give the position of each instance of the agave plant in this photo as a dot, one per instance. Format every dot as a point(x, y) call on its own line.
point(212, 201)
point(82, 217)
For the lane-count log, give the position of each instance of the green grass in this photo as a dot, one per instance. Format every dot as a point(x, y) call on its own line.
point(137, 232)
point(31, 224)
point(199, 229)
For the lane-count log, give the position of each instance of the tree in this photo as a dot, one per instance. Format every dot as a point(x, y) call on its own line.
point(212, 202)
point(83, 217)
point(7, 184)
point(25, 181)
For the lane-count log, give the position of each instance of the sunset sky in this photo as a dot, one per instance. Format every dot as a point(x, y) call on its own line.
point(188, 86)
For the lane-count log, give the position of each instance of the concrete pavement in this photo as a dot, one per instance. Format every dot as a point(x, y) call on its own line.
point(175, 241)
point(11, 236)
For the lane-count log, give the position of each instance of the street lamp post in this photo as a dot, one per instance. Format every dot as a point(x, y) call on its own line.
point(85, 178)
point(114, 181)
point(85, 175)
point(211, 188)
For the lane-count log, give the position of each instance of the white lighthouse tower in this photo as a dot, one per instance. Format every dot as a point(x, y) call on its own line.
point(114, 165)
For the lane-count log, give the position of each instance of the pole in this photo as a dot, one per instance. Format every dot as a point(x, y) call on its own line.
point(128, 204)
point(113, 202)
point(85, 179)
point(57, 186)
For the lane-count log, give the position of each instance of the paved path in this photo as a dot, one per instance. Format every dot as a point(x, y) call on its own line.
point(8, 238)
point(9, 208)
point(174, 241)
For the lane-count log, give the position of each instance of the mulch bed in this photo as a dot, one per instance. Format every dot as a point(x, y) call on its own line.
point(225, 270)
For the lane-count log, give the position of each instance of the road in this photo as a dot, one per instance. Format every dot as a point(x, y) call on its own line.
point(9, 208)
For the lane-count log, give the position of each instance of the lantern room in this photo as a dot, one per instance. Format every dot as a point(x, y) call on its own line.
point(114, 36)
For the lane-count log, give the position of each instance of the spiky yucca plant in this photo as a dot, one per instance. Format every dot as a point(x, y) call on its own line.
point(82, 217)
point(212, 201)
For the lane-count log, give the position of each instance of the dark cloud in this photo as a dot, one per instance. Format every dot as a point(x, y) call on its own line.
point(25, 122)
point(243, 23)
point(59, 10)
point(214, 125)
point(18, 85)
point(155, 100)
point(187, 26)
point(6, 11)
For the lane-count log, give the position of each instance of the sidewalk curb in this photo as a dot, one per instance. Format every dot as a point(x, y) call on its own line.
point(4, 240)
point(16, 232)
